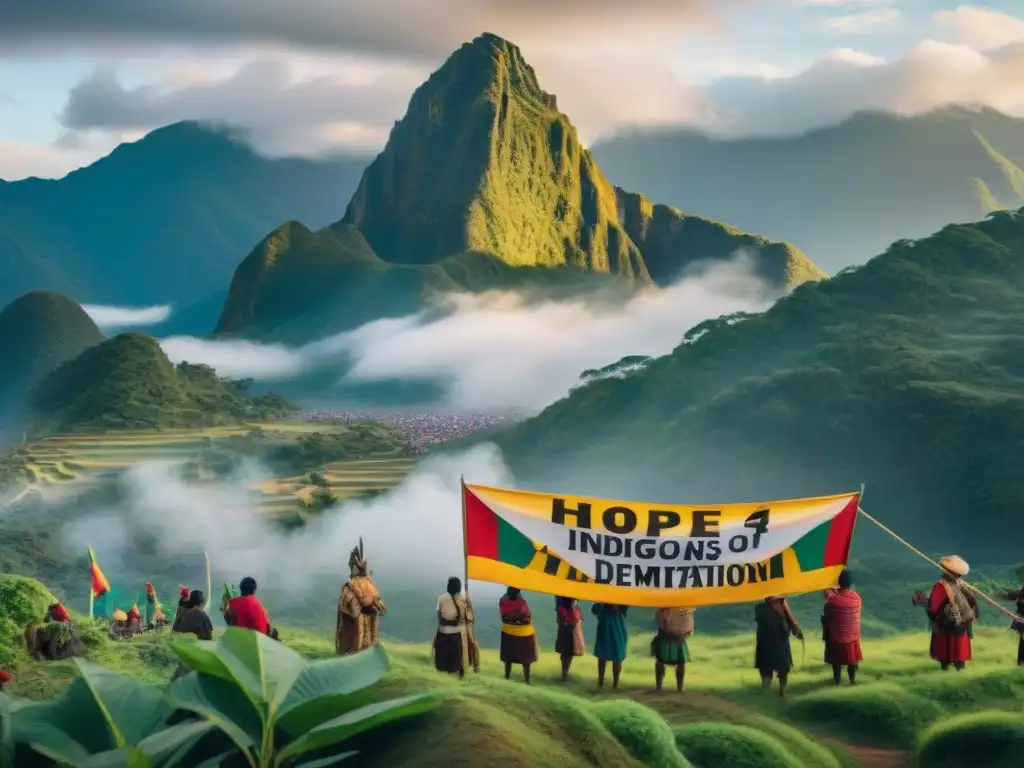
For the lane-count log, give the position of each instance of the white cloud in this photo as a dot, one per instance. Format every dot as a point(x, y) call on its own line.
point(112, 318)
point(494, 350)
point(420, 516)
point(930, 75)
point(865, 21)
point(982, 28)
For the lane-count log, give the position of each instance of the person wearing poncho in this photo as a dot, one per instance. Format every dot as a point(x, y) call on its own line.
point(841, 630)
point(1017, 596)
point(5, 678)
point(359, 608)
point(611, 641)
point(246, 611)
point(952, 611)
point(669, 647)
point(519, 643)
point(772, 654)
point(569, 640)
point(453, 642)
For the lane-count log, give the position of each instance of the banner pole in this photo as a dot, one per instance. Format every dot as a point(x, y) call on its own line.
point(209, 581)
point(91, 598)
point(465, 538)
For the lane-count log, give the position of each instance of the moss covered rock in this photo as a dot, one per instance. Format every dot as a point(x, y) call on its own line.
point(22, 600)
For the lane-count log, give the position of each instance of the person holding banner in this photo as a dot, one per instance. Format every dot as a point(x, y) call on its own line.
point(1017, 596)
point(518, 637)
point(452, 642)
point(612, 640)
point(569, 642)
point(952, 610)
point(772, 654)
point(669, 647)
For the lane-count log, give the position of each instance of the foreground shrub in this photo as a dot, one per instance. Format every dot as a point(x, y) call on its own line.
point(988, 739)
point(248, 696)
point(643, 732)
point(736, 746)
point(887, 713)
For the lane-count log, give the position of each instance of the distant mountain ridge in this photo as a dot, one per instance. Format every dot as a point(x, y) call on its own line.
point(483, 184)
point(905, 374)
point(841, 193)
point(162, 220)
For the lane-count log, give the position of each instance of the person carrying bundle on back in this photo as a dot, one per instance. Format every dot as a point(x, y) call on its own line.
point(669, 647)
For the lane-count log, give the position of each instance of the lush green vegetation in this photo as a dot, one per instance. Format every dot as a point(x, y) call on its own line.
point(186, 201)
point(289, 452)
point(904, 374)
point(840, 193)
point(904, 709)
point(525, 206)
point(38, 332)
point(128, 383)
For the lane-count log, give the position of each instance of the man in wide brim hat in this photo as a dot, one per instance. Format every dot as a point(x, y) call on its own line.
point(955, 565)
point(952, 610)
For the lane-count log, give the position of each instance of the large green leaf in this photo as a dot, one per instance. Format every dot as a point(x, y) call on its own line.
point(123, 757)
point(264, 668)
point(132, 710)
point(47, 740)
point(170, 746)
point(201, 656)
point(70, 725)
point(348, 725)
point(323, 762)
point(221, 703)
point(331, 687)
point(8, 705)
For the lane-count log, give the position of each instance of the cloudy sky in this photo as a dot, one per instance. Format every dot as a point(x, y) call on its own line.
point(313, 76)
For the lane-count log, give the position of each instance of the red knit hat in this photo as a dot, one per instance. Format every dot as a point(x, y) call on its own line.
point(183, 593)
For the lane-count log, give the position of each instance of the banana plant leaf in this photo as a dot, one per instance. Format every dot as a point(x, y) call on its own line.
point(167, 748)
point(8, 705)
point(98, 712)
point(257, 690)
point(358, 721)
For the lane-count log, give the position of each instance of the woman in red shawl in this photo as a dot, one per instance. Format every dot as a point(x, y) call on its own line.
point(518, 637)
point(5, 678)
point(841, 623)
point(952, 610)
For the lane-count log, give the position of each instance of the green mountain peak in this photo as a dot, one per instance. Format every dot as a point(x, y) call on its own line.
point(483, 184)
point(38, 332)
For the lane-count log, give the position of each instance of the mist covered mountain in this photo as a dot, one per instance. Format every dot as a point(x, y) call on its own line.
point(841, 194)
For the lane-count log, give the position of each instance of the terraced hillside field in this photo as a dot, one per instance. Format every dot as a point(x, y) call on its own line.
point(58, 460)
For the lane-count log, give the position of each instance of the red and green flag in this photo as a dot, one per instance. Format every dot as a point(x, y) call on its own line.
point(100, 585)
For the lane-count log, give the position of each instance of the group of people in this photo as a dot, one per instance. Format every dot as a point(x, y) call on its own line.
point(951, 608)
point(456, 648)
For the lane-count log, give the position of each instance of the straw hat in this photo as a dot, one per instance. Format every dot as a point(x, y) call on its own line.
point(955, 565)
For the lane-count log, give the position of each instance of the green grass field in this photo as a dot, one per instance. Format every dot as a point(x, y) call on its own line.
point(63, 459)
point(903, 712)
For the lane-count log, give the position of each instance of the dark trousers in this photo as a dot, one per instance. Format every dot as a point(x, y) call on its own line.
point(1020, 651)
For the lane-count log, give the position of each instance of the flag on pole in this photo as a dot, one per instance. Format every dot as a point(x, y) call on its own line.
point(100, 585)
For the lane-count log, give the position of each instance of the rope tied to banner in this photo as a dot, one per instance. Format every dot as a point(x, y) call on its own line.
point(970, 587)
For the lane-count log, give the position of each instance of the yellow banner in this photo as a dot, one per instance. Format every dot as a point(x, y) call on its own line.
point(656, 555)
